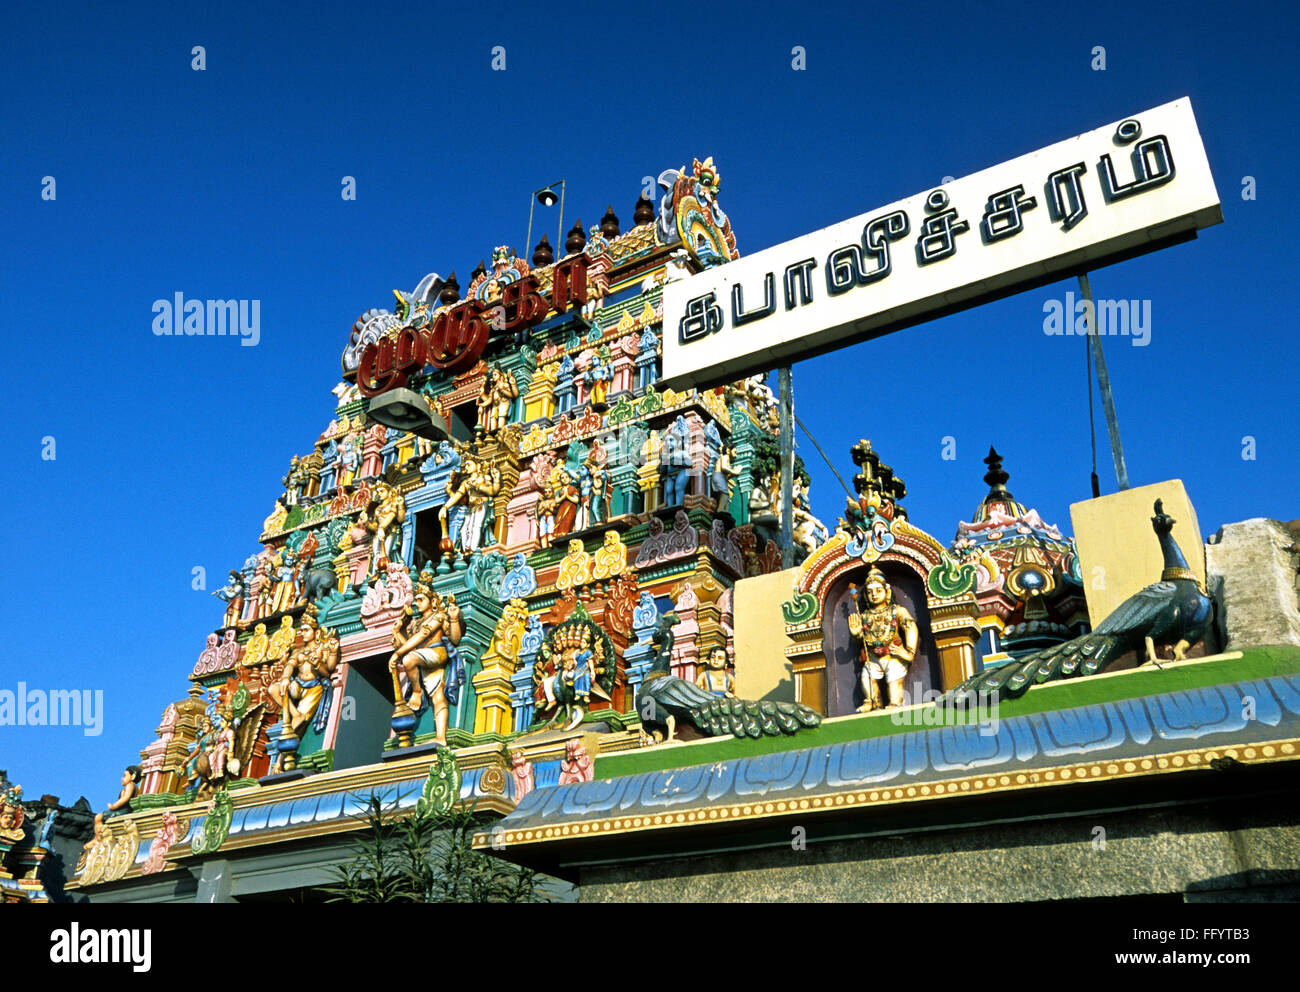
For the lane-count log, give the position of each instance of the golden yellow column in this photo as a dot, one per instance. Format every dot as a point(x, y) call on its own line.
point(494, 714)
point(956, 629)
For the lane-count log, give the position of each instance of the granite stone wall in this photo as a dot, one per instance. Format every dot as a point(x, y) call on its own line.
point(1222, 852)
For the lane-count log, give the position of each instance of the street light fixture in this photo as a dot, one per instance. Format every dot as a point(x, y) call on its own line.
point(547, 198)
point(405, 410)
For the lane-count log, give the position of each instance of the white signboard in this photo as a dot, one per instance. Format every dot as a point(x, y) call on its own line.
point(1131, 187)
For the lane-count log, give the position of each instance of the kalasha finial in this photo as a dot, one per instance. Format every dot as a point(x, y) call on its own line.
point(543, 254)
point(996, 477)
point(576, 241)
point(450, 291)
point(609, 223)
point(644, 212)
point(876, 475)
point(479, 270)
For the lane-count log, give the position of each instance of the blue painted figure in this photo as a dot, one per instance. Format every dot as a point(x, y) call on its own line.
point(675, 461)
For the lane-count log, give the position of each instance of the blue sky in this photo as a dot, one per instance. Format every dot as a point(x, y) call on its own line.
point(225, 183)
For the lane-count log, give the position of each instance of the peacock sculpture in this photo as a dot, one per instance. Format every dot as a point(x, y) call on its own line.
point(664, 699)
point(1174, 611)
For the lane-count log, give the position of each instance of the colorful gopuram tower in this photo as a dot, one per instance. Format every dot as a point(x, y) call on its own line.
point(487, 575)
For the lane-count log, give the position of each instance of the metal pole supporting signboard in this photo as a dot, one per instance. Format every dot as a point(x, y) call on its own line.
point(787, 467)
point(1103, 383)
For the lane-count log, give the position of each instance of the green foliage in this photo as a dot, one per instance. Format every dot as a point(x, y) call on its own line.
point(767, 461)
point(427, 856)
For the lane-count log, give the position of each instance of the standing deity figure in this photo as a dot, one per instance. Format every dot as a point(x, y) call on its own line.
point(475, 485)
point(349, 459)
point(567, 498)
point(595, 487)
point(889, 639)
point(716, 679)
point(425, 648)
point(545, 510)
point(500, 390)
point(293, 483)
point(232, 594)
point(598, 376)
point(385, 522)
point(722, 478)
point(304, 690)
point(675, 461)
point(198, 762)
point(286, 566)
point(260, 589)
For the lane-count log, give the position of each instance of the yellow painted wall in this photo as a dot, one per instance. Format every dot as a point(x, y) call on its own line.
point(1114, 535)
point(762, 669)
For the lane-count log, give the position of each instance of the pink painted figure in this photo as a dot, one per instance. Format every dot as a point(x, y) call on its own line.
point(228, 652)
point(522, 774)
point(372, 461)
point(400, 591)
point(576, 765)
point(219, 749)
point(161, 844)
point(208, 657)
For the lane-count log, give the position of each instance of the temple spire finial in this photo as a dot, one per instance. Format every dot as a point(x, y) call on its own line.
point(996, 477)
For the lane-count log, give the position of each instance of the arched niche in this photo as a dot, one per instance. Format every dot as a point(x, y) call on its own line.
point(844, 692)
point(937, 591)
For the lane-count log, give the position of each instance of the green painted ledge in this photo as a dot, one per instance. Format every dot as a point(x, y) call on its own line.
point(1198, 673)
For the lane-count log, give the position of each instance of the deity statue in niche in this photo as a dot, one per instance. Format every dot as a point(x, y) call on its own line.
point(349, 459)
point(598, 376)
point(475, 484)
point(545, 510)
point(426, 650)
point(567, 496)
point(889, 637)
point(723, 474)
point(286, 572)
point(575, 664)
point(595, 487)
point(500, 390)
point(675, 461)
point(716, 679)
point(385, 522)
point(305, 688)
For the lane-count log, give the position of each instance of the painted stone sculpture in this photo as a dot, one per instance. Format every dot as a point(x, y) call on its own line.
point(1172, 612)
point(496, 399)
point(11, 815)
point(425, 650)
point(305, 689)
point(716, 679)
point(162, 843)
point(576, 765)
point(232, 594)
point(664, 700)
point(474, 486)
point(889, 639)
point(576, 662)
point(131, 779)
point(384, 521)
